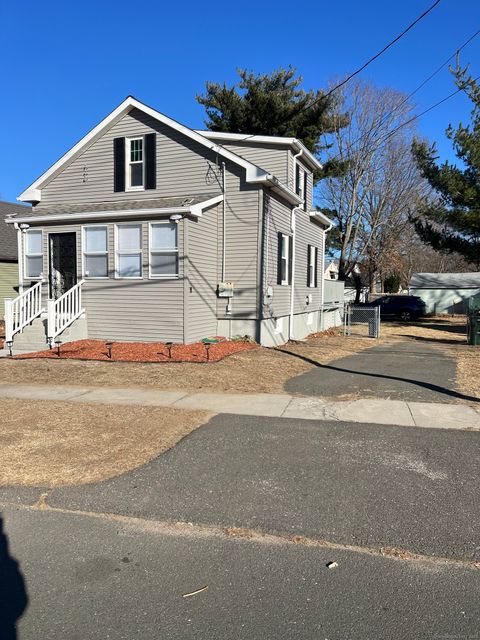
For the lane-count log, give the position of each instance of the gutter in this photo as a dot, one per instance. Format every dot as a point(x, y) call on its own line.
point(322, 296)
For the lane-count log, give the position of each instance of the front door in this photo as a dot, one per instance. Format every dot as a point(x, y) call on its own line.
point(63, 263)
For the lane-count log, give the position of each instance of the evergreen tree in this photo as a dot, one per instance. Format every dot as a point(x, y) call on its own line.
point(274, 105)
point(451, 223)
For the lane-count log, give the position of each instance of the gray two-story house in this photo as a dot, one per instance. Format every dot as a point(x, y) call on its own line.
point(147, 231)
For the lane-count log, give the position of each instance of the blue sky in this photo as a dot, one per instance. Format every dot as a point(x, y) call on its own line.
point(65, 65)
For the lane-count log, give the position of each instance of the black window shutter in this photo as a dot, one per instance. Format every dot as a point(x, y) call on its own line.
point(119, 164)
point(297, 180)
point(309, 257)
point(279, 259)
point(290, 252)
point(305, 192)
point(316, 267)
point(150, 161)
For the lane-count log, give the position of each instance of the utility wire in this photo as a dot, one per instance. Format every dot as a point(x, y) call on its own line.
point(360, 69)
point(404, 100)
point(372, 59)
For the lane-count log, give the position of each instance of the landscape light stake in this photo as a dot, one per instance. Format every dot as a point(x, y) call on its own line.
point(109, 346)
point(207, 346)
point(58, 343)
point(9, 347)
point(169, 346)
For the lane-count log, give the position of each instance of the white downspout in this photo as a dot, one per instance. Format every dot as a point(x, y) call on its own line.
point(224, 217)
point(20, 257)
point(322, 296)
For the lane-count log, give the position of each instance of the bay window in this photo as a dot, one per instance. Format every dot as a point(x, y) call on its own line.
point(34, 253)
point(129, 251)
point(95, 252)
point(164, 250)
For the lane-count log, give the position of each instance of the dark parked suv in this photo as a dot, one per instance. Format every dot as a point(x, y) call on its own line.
point(404, 307)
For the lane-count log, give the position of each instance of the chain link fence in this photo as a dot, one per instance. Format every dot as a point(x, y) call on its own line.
point(362, 321)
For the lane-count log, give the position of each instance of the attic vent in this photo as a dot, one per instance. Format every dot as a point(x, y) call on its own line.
point(187, 202)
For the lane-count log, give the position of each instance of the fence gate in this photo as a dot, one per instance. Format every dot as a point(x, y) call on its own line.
point(362, 321)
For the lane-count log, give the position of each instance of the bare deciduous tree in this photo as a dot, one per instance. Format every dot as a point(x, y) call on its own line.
point(381, 186)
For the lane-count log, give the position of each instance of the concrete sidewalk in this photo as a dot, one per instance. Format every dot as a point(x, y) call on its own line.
point(373, 411)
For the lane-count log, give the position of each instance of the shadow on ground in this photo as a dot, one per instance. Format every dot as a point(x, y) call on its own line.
point(404, 371)
point(13, 593)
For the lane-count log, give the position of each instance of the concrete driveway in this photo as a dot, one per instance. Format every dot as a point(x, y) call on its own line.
point(400, 370)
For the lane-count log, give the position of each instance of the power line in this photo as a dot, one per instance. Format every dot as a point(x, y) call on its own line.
point(360, 69)
point(366, 64)
point(404, 100)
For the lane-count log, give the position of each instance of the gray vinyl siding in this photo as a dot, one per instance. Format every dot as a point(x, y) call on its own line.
point(201, 275)
point(182, 167)
point(271, 158)
point(241, 258)
point(291, 177)
point(307, 232)
point(142, 310)
point(278, 220)
point(8, 283)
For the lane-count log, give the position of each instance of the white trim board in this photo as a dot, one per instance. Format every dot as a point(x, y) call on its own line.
point(254, 174)
point(295, 143)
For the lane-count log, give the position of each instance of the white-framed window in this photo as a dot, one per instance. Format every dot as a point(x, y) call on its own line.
point(135, 164)
point(163, 247)
point(312, 266)
point(301, 184)
point(95, 251)
point(34, 253)
point(128, 250)
point(284, 259)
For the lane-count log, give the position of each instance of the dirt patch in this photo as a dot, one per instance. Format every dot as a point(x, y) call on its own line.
point(257, 370)
point(468, 370)
point(142, 351)
point(51, 444)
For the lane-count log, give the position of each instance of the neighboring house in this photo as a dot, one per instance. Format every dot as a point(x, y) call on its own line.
point(331, 271)
point(445, 292)
point(147, 230)
point(8, 252)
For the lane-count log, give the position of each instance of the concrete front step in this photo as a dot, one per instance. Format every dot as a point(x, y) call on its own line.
point(34, 336)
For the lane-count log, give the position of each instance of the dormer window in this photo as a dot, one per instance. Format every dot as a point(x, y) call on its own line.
point(134, 164)
point(301, 184)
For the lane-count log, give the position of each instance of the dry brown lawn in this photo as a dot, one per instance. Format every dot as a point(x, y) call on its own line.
point(49, 444)
point(259, 370)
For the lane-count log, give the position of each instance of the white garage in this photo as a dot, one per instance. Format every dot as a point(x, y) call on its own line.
point(445, 292)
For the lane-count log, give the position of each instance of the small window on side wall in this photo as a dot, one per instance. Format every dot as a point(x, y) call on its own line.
point(129, 251)
point(34, 253)
point(284, 266)
point(312, 259)
point(164, 250)
point(95, 252)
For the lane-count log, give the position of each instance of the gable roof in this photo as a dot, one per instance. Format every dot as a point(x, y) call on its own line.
point(295, 143)
point(254, 174)
point(8, 235)
point(470, 280)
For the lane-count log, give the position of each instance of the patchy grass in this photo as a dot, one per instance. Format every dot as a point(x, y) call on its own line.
point(50, 444)
point(256, 370)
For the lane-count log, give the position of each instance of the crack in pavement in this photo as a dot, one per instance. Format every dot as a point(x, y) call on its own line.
point(199, 530)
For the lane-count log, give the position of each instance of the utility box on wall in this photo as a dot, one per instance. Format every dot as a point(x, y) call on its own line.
point(225, 289)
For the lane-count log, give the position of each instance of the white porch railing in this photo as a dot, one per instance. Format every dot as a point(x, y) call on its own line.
point(21, 310)
point(63, 311)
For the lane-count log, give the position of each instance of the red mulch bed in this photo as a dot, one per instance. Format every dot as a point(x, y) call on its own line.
point(141, 351)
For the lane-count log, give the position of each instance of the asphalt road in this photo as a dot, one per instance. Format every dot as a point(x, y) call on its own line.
point(368, 485)
point(100, 563)
point(408, 371)
point(87, 578)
